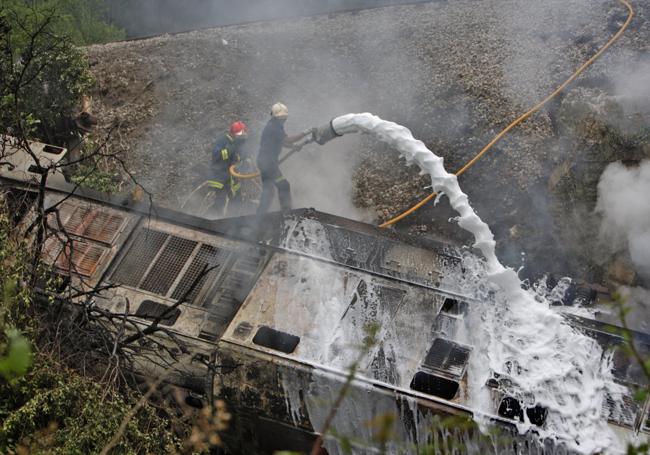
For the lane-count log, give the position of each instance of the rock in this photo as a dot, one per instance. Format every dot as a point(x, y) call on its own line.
point(560, 172)
point(621, 272)
point(515, 232)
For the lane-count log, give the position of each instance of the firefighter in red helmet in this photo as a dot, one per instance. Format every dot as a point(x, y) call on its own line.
point(227, 151)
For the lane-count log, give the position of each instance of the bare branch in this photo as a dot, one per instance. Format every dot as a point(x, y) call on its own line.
point(153, 327)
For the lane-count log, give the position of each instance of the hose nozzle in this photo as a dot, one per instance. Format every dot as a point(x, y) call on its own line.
point(325, 133)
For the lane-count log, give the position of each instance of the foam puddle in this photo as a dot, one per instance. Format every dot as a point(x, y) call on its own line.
point(538, 357)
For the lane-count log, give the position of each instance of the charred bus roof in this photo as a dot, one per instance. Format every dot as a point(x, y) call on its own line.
point(299, 287)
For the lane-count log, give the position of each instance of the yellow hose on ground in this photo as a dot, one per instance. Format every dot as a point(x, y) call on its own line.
point(524, 116)
point(233, 171)
point(295, 148)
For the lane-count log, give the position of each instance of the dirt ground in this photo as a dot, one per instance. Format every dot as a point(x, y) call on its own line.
point(455, 73)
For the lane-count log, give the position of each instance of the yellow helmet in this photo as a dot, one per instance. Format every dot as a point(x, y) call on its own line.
point(279, 110)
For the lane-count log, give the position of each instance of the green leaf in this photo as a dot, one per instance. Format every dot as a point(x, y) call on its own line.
point(346, 445)
point(19, 356)
point(640, 395)
point(9, 289)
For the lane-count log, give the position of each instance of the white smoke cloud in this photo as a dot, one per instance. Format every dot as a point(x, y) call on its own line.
point(623, 202)
point(632, 86)
point(546, 42)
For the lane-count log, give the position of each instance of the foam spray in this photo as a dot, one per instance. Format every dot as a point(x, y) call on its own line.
point(530, 348)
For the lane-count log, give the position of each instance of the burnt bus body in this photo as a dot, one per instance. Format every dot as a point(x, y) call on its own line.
point(275, 326)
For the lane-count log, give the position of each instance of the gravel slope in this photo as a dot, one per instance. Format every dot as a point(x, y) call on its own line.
point(453, 72)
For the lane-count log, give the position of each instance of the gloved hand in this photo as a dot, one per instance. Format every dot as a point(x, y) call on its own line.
point(310, 132)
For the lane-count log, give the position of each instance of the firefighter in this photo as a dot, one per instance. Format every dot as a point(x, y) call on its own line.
point(227, 151)
point(273, 139)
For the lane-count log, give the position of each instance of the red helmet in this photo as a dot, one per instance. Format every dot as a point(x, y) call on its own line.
point(238, 129)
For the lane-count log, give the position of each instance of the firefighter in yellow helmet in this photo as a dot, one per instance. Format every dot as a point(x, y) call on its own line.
point(273, 139)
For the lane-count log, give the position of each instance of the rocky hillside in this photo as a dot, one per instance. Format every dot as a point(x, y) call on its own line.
point(454, 72)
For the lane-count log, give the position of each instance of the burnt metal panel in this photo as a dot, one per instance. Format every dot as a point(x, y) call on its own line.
point(95, 223)
point(352, 248)
point(410, 262)
point(622, 412)
point(73, 256)
point(243, 330)
point(626, 369)
point(168, 265)
point(80, 235)
point(249, 262)
point(276, 340)
point(442, 369)
point(380, 255)
point(209, 333)
point(65, 211)
point(389, 297)
point(209, 256)
point(273, 436)
point(447, 357)
point(383, 365)
point(446, 326)
point(102, 226)
point(51, 249)
point(152, 310)
point(454, 307)
point(234, 282)
point(175, 263)
point(81, 257)
point(364, 247)
point(139, 256)
point(368, 304)
point(434, 385)
point(220, 315)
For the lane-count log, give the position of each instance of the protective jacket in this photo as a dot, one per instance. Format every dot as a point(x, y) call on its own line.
point(226, 152)
point(273, 137)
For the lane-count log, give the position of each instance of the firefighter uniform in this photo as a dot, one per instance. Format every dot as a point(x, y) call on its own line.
point(271, 143)
point(226, 153)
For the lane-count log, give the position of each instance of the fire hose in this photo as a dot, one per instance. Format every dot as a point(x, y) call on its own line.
point(248, 176)
point(251, 175)
point(525, 115)
point(326, 133)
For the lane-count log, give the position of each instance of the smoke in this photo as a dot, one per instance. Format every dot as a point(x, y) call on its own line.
point(454, 73)
point(623, 202)
point(632, 86)
point(319, 66)
point(636, 301)
point(329, 76)
point(547, 41)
